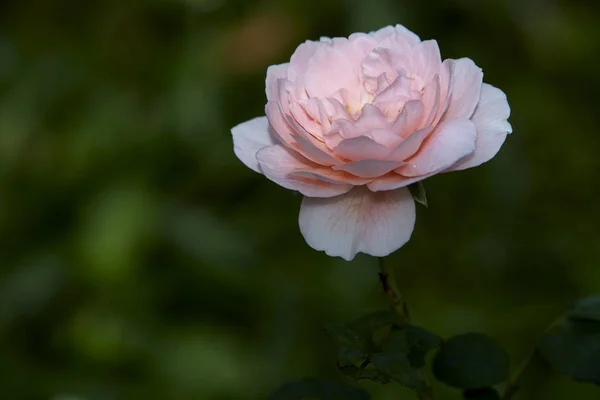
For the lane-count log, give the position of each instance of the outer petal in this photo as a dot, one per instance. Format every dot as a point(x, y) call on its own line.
point(391, 34)
point(359, 221)
point(448, 144)
point(466, 88)
point(490, 119)
point(279, 163)
point(281, 128)
point(426, 59)
point(300, 59)
point(274, 73)
point(249, 137)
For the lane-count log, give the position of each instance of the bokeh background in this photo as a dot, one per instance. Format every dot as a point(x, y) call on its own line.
point(139, 259)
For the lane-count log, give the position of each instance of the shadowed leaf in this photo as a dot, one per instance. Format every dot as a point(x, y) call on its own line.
point(573, 348)
point(471, 361)
point(310, 389)
point(397, 366)
point(587, 309)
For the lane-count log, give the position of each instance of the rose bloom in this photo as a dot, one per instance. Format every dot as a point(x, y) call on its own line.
point(350, 122)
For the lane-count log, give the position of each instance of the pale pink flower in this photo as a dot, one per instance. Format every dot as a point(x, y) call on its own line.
point(350, 122)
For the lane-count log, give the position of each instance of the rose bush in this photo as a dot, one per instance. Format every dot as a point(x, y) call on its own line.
point(350, 122)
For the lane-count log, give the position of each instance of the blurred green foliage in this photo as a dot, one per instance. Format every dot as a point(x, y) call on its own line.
point(141, 260)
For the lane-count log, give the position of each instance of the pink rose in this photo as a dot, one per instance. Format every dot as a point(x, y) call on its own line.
point(351, 122)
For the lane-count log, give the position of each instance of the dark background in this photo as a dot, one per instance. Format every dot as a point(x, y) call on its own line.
point(141, 260)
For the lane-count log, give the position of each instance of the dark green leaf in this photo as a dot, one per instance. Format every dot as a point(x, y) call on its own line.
point(573, 348)
point(310, 389)
point(366, 333)
point(353, 347)
point(344, 335)
point(420, 341)
point(471, 361)
point(587, 309)
point(381, 347)
point(397, 366)
point(418, 192)
point(377, 320)
point(368, 372)
point(481, 394)
point(414, 341)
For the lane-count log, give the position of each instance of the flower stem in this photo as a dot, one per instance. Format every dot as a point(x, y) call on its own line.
point(391, 290)
point(513, 383)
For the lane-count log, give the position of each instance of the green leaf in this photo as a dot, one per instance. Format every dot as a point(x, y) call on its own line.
point(369, 372)
point(380, 347)
point(353, 346)
point(403, 354)
point(418, 192)
point(377, 320)
point(420, 341)
point(352, 350)
point(481, 394)
point(471, 361)
point(414, 341)
point(587, 309)
point(573, 348)
point(397, 366)
point(311, 389)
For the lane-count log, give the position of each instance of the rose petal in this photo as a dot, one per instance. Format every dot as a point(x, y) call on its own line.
point(369, 168)
point(304, 120)
point(359, 45)
point(358, 222)
point(385, 62)
point(430, 100)
point(450, 142)
point(281, 128)
point(446, 78)
point(330, 70)
point(391, 100)
point(249, 137)
point(278, 163)
point(408, 120)
point(370, 119)
point(394, 181)
point(426, 60)
point(360, 148)
point(330, 175)
point(315, 151)
point(466, 89)
point(390, 35)
point(490, 119)
point(409, 146)
point(274, 73)
point(300, 59)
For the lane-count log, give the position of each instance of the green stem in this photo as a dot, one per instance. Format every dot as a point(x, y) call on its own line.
point(390, 288)
point(513, 383)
